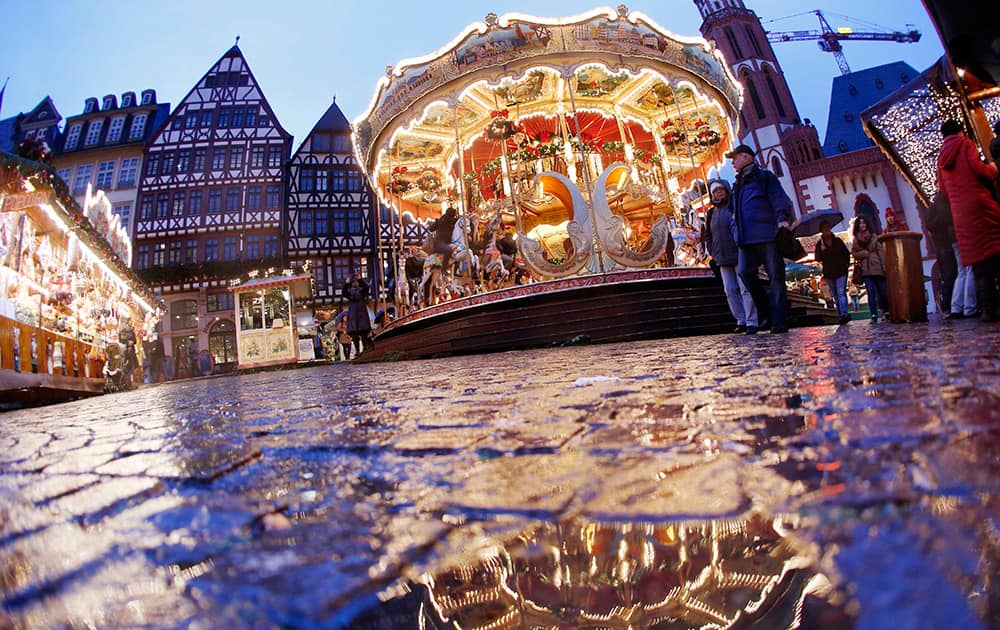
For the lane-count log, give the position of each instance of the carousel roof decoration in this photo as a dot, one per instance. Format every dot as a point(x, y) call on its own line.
point(518, 114)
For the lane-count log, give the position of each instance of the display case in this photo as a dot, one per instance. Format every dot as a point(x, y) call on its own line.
point(268, 311)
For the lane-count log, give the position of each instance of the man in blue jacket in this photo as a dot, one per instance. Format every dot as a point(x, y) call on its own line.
point(760, 207)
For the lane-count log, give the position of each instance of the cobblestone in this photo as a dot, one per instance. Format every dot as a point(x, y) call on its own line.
point(866, 454)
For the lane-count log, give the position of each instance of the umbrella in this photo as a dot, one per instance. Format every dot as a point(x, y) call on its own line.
point(798, 271)
point(808, 223)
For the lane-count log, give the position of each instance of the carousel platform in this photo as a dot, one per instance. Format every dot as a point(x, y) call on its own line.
point(609, 308)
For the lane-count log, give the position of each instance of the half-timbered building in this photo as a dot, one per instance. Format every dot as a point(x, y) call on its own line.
point(211, 205)
point(331, 208)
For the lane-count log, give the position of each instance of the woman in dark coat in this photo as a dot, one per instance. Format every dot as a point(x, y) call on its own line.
point(868, 251)
point(836, 260)
point(359, 325)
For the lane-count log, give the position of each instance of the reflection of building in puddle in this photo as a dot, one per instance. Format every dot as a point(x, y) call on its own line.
point(710, 574)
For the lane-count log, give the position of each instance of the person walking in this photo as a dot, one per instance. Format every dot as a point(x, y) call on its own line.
point(836, 260)
point(941, 229)
point(868, 251)
point(720, 244)
point(359, 324)
point(969, 184)
point(760, 207)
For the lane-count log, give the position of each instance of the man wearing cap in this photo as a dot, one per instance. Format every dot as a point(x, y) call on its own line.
point(760, 207)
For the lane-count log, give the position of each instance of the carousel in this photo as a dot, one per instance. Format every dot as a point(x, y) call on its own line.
point(582, 143)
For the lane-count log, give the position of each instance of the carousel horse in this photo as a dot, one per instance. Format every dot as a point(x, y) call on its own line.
point(433, 283)
point(495, 272)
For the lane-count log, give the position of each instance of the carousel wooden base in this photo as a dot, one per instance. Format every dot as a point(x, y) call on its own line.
point(614, 307)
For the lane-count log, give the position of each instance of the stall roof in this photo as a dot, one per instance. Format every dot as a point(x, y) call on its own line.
point(271, 281)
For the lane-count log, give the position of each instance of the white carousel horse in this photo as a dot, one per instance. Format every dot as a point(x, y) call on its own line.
point(433, 283)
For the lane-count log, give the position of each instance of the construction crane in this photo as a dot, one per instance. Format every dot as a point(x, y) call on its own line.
point(829, 39)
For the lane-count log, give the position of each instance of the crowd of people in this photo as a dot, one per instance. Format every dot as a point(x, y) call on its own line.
point(743, 231)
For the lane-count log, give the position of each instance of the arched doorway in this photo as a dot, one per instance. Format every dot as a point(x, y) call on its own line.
point(864, 207)
point(222, 345)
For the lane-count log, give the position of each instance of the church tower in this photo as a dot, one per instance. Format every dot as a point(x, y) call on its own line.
point(769, 120)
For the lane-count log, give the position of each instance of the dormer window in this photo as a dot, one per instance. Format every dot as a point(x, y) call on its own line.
point(90, 105)
point(147, 97)
point(138, 126)
point(128, 99)
point(109, 102)
point(93, 132)
point(73, 136)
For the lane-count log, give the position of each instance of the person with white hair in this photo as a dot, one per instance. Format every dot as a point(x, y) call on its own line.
point(720, 243)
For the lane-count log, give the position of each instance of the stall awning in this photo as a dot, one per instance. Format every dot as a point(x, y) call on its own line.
point(906, 124)
point(301, 287)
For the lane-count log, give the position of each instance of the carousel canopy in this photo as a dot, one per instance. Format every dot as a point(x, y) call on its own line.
point(513, 96)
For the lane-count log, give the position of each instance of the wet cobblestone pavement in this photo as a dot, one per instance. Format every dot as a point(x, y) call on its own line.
point(837, 477)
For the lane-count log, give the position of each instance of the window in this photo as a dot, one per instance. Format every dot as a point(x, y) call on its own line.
point(215, 302)
point(194, 203)
point(124, 211)
point(91, 104)
point(733, 43)
point(177, 123)
point(229, 249)
point(147, 97)
point(191, 251)
point(105, 175)
point(307, 180)
point(321, 142)
point(342, 143)
point(272, 201)
point(353, 181)
point(237, 118)
point(321, 222)
point(842, 147)
point(162, 205)
point(262, 120)
point(127, 172)
point(270, 246)
point(191, 120)
point(142, 257)
point(274, 155)
point(146, 209)
point(222, 343)
point(354, 222)
point(184, 314)
point(233, 200)
point(115, 130)
point(153, 164)
point(93, 132)
point(127, 99)
point(159, 254)
point(257, 156)
point(174, 255)
point(223, 117)
point(848, 117)
point(342, 268)
point(251, 116)
point(65, 174)
point(253, 246)
point(183, 160)
point(211, 249)
point(319, 272)
point(218, 159)
point(199, 160)
point(253, 198)
point(338, 181)
point(215, 201)
point(306, 223)
point(205, 119)
point(753, 42)
point(339, 221)
point(758, 105)
point(322, 180)
point(178, 208)
point(138, 126)
point(167, 168)
point(83, 177)
point(776, 167)
point(235, 157)
point(774, 94)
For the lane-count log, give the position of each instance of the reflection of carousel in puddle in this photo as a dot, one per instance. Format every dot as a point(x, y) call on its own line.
point(577, 574)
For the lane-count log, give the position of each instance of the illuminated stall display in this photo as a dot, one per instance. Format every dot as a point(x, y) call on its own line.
point(66, 292)
point(271, 313)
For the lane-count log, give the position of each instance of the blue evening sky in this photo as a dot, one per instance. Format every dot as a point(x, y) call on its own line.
point(303, 53)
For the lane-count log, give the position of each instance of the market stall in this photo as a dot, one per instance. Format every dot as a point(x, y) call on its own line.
point(274, 320)
point(66, 292)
